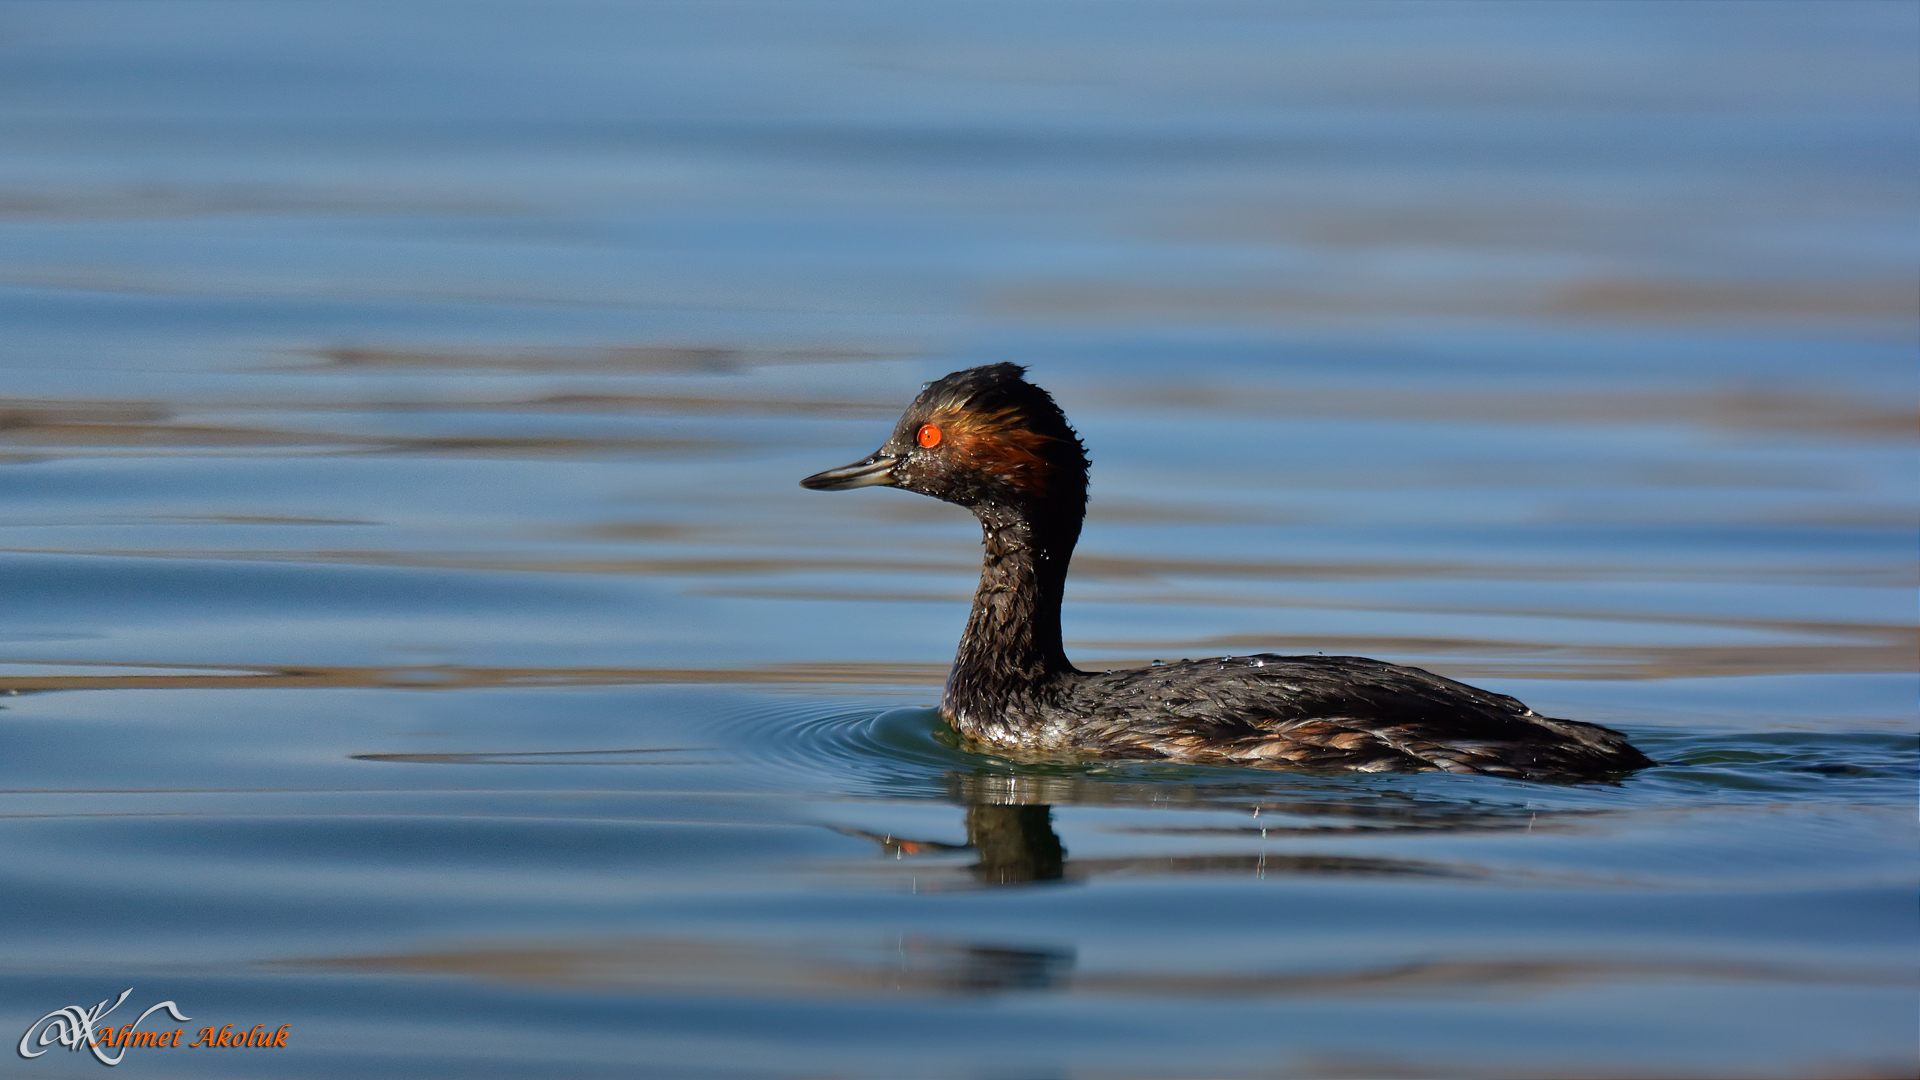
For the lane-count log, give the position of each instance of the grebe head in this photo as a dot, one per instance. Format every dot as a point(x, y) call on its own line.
point(983, 437)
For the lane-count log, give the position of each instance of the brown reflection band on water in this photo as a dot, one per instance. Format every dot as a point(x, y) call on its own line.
point(456, 677)
point(73, 436)
point(157, 201)
point(665, 404)
point(1587, 662)
point(919, 965)
point(1096, 568)
point(627, 359)
point(1874, 306)
point(626, 756)
point(1734, 407)
point(1895, 652)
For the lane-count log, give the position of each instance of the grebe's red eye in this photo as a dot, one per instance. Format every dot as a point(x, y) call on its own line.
point(929, 436)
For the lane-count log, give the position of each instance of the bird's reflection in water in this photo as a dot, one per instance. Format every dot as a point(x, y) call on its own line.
point(1016, 844)
point(1009, 823)
point(979, 969)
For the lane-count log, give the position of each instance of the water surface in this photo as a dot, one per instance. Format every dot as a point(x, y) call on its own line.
point(414, 634)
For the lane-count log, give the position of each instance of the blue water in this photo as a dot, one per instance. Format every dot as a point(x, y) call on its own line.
point(413, 633)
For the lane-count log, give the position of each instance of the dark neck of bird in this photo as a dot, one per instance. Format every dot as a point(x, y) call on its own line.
point(1011, 651)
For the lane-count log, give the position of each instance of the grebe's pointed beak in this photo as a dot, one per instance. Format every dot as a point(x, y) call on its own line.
point(877, 469)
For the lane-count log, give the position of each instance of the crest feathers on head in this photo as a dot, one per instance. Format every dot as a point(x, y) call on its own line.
point(1009, 429)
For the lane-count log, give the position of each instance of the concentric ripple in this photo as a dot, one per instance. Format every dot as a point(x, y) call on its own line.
point(892, 752)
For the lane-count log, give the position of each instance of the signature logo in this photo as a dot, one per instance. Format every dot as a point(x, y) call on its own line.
point(74, 1027)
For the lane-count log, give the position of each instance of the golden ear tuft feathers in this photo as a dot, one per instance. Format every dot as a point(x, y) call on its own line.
point(999, 443)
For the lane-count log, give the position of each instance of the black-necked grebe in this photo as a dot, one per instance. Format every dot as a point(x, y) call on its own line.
point(990, 441)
